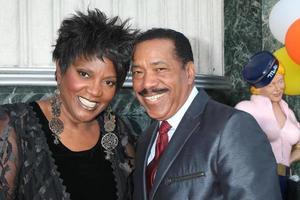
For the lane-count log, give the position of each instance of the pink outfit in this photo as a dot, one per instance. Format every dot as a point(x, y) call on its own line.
point(281, 139)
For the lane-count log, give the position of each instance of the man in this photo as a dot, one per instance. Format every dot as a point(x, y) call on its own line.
point(207, 150)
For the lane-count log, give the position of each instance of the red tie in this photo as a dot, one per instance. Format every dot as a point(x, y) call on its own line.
point(161, 144)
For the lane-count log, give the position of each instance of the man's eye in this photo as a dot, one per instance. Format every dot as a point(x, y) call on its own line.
point(161, 69)
point(137, 73)
point(83, 74)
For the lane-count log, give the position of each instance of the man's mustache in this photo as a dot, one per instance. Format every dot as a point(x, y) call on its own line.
point(152, 91)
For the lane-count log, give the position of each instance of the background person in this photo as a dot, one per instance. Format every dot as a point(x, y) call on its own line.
point(204, 149)
point(72, 145)
point(266, 78)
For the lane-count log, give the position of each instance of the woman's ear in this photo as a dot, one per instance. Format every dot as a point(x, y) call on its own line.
point(254, 90)
point(58, 74)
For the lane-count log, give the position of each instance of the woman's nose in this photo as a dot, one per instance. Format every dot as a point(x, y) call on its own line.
point(278, 87)
point(95, 89)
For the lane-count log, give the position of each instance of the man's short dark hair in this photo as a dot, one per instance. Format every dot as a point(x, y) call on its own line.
point(182, 44)
point(94, 35)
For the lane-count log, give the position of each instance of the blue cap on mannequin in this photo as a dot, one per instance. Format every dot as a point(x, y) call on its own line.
point(261, 69)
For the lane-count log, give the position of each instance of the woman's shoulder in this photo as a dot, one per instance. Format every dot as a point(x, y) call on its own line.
point(245, 105)
point(250, 106)
point(255, 102)
point(18, 116)
point(10, 112)
point(14, 110)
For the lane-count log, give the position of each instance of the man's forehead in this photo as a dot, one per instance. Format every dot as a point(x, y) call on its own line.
point(153, 51)
point(155, 43)
point(150, 63)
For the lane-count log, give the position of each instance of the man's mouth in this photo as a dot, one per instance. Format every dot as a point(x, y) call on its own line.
point(153, 94)
point(87, 104)
point(154, 97)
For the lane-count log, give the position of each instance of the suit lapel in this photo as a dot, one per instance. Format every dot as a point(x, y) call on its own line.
point(188, 125)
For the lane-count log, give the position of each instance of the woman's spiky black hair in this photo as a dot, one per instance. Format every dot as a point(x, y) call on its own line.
point(94, 35)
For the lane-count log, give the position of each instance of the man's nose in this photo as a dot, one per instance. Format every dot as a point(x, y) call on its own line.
point(150, 80)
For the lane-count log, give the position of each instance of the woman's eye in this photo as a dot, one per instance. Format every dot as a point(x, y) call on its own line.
point(83, 74)
point(110, 83)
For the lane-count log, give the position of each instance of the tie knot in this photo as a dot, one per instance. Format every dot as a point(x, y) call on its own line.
point(164, 127)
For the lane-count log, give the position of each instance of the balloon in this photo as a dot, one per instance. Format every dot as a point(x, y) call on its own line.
point(292, 41)
point(292, 72)
point(282, 15)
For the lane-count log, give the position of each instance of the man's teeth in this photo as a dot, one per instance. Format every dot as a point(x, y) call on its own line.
point(154, 98)
point(87, 103)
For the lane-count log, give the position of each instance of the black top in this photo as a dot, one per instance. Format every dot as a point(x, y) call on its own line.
point(86, 174)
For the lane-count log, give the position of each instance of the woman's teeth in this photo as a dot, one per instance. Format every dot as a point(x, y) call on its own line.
point(87, 104)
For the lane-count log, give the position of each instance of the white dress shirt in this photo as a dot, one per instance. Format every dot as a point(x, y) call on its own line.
point(174, 121)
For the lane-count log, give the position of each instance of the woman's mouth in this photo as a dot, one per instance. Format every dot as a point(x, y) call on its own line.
point(87, 104)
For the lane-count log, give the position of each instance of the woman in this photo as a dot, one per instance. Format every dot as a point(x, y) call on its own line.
point(72, 146)
point(266, 78)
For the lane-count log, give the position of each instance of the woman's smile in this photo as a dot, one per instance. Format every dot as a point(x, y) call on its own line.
point(87, 104)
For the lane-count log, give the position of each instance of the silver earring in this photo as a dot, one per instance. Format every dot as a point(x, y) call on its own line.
point(109, 140)
point(55, 124)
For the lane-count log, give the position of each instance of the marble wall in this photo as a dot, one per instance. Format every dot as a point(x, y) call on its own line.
point(243, 38)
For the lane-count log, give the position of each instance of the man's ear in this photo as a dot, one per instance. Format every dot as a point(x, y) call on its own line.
point(190, 71)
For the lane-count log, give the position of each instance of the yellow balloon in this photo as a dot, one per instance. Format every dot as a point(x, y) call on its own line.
point(292, 72)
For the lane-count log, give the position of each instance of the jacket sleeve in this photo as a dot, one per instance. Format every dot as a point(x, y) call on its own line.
point(9, 158)
point(246, 164)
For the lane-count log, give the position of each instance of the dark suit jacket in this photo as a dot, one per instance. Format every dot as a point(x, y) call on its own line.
point(216, 152)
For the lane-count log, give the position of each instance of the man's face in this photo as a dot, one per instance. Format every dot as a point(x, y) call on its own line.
point(160, 81)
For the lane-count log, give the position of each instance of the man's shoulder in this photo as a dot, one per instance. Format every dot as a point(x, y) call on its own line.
point(220, 107)
point(220, 111)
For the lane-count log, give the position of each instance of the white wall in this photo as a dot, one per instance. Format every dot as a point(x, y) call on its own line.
point(28, 27)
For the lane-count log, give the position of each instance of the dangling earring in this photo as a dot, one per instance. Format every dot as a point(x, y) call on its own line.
point(55, 124)
point(109, 140)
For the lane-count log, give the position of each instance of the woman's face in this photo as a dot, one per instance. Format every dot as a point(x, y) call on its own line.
point(86, 88)
point(274, 90)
